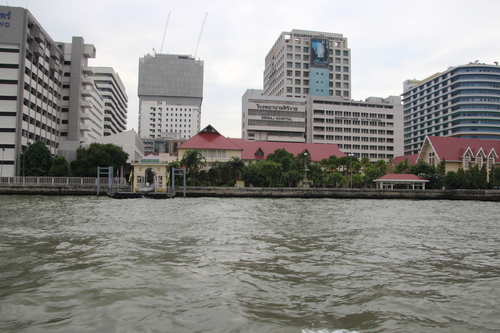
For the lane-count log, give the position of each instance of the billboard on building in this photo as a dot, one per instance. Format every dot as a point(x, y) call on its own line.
point(319, 52)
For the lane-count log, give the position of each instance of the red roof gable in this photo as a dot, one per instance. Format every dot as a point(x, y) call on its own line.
point(452, 149)
point(209, 140)
point(397, 176)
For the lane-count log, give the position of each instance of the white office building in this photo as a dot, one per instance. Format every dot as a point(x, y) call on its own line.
point(112, 90)
point(370, 128)
point(30, 87)
point(48, 92)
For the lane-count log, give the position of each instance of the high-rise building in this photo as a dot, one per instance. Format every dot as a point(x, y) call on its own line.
point(303, 63)
point(112, 90)
point(463, 101)
point(82, 116)
point(30, 86)
point(170, 96)
point(307, 98)
point(48, 92)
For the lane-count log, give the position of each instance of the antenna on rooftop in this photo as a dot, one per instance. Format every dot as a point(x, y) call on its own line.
point(164, 33)
point(201, 31)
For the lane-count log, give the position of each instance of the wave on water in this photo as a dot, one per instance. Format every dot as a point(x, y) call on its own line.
point(327, 331)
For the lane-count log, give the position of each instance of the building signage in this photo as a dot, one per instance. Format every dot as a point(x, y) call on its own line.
point(320, 36)
point(355, 118)
point(277, 108)
point(319, 52)
point(276, 118)
point(3, 19)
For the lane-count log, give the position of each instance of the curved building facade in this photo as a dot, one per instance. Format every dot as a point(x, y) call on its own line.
point(463, 102)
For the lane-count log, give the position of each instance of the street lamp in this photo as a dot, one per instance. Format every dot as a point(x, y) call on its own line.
point(305, 167)
point(350, 167)
point(1, 171)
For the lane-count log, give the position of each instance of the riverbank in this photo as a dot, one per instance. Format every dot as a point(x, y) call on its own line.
point(269, 192)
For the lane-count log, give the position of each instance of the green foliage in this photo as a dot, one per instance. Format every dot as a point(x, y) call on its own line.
point(336, 179)
point(97, 155)
point(59, 167)
point(494, 181)
point(193, 160)
point(36, 161)
point(403, 167)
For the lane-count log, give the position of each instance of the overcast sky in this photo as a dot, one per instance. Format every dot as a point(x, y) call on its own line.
point(390, 41)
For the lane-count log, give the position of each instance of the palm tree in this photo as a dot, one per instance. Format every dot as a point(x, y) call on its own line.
point(237, 166)
point(193, 161)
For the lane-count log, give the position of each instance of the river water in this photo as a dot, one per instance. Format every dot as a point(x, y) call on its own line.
point(88, 264)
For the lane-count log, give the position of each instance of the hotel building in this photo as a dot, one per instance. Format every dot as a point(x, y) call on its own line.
point(170, 96)
point(463, 102)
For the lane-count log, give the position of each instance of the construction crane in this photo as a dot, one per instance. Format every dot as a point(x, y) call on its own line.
point(164, 33)
point(201, 31)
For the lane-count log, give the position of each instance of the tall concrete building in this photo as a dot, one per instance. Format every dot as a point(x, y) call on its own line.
point(463, 101)
point(112, 90)
point(82, 116)
point(48, 92)
point(302, 63)
point(170, 97)
point(307, 98)
point(30, 86)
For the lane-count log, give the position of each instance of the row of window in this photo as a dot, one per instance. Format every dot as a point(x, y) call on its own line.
point(353, 114)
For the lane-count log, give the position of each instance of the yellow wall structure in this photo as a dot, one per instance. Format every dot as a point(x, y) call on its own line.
point(139, 176)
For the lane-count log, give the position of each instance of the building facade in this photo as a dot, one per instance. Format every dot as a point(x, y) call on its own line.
point(112, 90)
point(370, 128)
point(273, 118)
point(303, 62)
point(170, 96)
point(31, 79)
point(82, 116)
point(463, 102)
point(47, 91)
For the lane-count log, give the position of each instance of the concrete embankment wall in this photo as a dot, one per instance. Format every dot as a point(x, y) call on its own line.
point(484, 195)
point(52, 190)
point(263, 192)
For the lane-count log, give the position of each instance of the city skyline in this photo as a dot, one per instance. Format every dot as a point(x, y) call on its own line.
point(390, 41)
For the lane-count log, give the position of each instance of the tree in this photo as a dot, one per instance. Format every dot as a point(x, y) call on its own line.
point(59, 167)
point(97, 155)
point(193, 161)
point(237, 166)
point(36, 160)
point(336, 179)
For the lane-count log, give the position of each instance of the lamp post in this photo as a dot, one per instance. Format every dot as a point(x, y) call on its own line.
point(305, 168)
point(1, 172)
point(350, 167)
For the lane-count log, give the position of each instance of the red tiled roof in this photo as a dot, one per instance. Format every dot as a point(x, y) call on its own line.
point(451, 148)
point(412, 159)
point(318, 151)
point(209, 140)
point(397, 176)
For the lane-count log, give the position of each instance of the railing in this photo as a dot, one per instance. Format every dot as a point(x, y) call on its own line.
point(61, 181)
